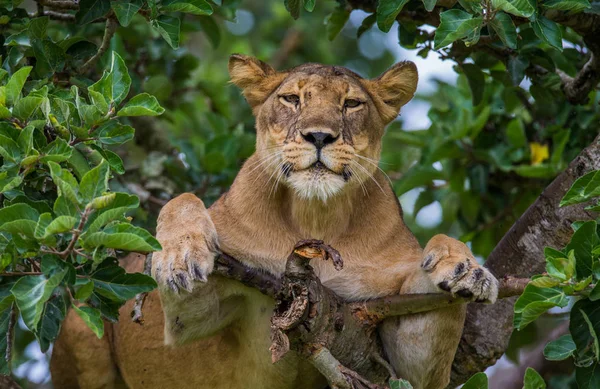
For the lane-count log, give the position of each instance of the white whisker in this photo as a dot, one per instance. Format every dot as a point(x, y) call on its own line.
point(373, 162)
point(369, 175)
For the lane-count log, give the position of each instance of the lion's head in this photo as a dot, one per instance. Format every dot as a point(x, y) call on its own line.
point(319, 127)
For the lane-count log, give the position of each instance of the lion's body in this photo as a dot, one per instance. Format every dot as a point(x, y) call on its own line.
point(221, 328)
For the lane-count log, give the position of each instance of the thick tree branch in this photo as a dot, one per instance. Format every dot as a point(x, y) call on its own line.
point(521, 253)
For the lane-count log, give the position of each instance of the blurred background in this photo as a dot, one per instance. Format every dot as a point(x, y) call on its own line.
point(462, 169)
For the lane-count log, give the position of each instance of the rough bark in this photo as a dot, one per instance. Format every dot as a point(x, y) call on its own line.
point(338, 338)
point(521, 253)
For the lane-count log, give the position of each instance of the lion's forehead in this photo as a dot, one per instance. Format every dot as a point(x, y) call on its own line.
point(326, 87)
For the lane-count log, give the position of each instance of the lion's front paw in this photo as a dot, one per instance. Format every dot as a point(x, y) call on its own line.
point(453, 268)
point(184, 259)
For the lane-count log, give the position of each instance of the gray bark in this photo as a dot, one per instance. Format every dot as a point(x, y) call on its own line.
point(521, 253)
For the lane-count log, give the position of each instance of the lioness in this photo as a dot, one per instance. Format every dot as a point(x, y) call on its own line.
point(314, 175)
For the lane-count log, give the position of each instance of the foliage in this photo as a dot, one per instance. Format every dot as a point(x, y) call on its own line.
point(60, 225)
point(571, 279)
point(74, 175)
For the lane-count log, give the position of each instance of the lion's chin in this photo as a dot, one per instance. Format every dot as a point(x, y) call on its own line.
point(318, 184)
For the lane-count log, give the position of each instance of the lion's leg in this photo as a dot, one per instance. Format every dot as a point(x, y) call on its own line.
point(421, 347)
point(82, 361)
point(194, 306)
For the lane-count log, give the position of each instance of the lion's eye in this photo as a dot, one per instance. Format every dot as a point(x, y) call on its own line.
point(292, 99)
point(352, 103)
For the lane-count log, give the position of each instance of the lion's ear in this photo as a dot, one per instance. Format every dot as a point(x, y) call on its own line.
point(395, 88)
point(256, 78)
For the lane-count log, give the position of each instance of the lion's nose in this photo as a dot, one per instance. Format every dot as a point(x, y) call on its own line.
point(319, 139)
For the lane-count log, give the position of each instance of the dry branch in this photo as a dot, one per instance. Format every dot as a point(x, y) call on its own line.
point(338, 338)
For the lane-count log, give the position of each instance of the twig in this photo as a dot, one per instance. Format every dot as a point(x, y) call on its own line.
point(137, 315)
point(60, 4)
point(109, 31)
point(84, 216)
point(63, 17)
point(338, 376)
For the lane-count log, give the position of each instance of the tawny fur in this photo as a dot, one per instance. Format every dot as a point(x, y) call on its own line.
point(216, 330)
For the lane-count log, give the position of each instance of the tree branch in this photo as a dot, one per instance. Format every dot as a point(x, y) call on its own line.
point(576, 89)
point(521, 253)
point(109, 31)
point(63, 5)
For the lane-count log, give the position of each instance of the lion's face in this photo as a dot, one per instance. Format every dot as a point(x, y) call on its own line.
point(320, 127)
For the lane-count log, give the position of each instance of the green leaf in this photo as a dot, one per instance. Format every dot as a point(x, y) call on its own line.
point(19, 218)
point(454, 24)
point(95, 182)
point(114, 84)
point(399, 384)
point(51, 320)
point(515, 132)
point(583, 189)
point(585, 325)
point(309, 5)
point(534, 301)
point(50, 57)
point(56, 151)
point(336, 21)
point(37, 27)
point(429, 4)
point(84, 290)
point(548, 31)
point(168, 27)
point(588, 377)
point(32, 292)
point(66, 183)
point(503, 25)
point(582, 243)
point(113, 159)
point(533, 380)
point(125, 10)
point(595, 293)
point(99, 101)
point(477, 381)
point(194, 7)
point(60, 224)
point(91, 317)
point(545, 282)
point(476, 80)
point(387, 11)
point(25, 140)
point(121, 204)
point(26, 106)
point(567, 5)
point(516, 68)
point(293, 7)
point(115, 133)
point(15, 85)
point(90, 10)
point(113, 283)
point(523, 8)
point(9, 149)
point(560, 349)
point(560, 265)
point(142, 105)
point(366, 24)
point(416, 176)
point(103, 201)
point(123, 236)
